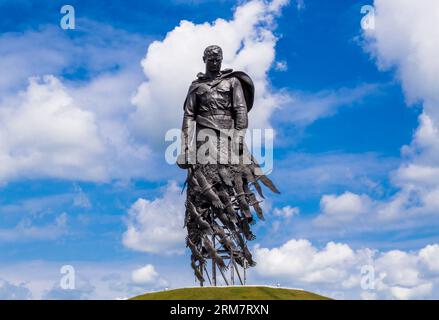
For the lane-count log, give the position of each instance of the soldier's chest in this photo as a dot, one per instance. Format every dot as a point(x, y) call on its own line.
point(214, 91)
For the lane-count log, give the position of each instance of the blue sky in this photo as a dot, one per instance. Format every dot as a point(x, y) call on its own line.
point(84, 152)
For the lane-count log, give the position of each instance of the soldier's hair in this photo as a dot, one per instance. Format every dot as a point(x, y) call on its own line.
point(212, 50)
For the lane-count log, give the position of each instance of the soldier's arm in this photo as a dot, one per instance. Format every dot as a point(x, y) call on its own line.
point(189, 109)
point(239, 106)
point(187, 129)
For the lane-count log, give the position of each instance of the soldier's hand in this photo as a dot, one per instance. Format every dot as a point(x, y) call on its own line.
point(182, 160)
point(238, 141)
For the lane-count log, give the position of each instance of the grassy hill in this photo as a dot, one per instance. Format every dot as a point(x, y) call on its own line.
point(231, 293)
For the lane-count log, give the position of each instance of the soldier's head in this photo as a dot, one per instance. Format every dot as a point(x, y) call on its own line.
point(213, 57)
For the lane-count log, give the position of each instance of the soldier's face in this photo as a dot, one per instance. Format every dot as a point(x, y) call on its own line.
point(213, 62)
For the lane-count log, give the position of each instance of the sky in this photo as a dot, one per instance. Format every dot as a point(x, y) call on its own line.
point(351, 96)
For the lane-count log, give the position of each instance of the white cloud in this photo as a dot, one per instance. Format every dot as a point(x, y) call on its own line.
point(399, 268)
point(171, 65)
point(343, 208)
point(112, 138)
point(299, 259)
point(156, 226)
point(19, 51)
point(337, 268)
point(144, 275)
point(276, 5)
point(402, 293)
point(55, 127)
point(333, 269)
point(286, 212)
point(281, 65)
point(93, 280)
point(10, 291)
point(429, 256)
point(44, 133)
point(38, 206)
point(345, 203)
point(281, 217)
point(27, 230)
point(417, 174)
point(49, 130)
point(402, 41)
point(84, 290)
point(98, 49)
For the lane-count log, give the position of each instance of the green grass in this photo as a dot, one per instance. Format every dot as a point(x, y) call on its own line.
point(231, 293)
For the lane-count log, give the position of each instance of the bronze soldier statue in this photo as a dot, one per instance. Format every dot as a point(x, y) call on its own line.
point(221, 171)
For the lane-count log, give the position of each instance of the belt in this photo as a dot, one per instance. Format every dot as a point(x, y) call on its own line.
point(225, 122)
point(216, 112)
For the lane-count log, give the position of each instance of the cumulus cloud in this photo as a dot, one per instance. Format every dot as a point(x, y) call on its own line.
point(146, 274)
point(171, 64)
point(49, 130)
point(429, 256)
point(112, 138)
point(45, 133)
point(334, 269)
point(402, 41)
point(402, 38)
point(402, 293)
point(58, 122)
point(345, 207)
point(156, 226)
point(298, 258)
point(361, 273)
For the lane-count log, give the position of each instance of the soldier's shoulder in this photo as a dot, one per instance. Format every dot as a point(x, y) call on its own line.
point(230, 76)
point(195, 83)
point(233, 75)
point(226, 72)
point(200, 76)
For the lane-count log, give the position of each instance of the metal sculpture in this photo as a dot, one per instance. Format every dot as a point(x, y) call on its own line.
point(221, 171)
